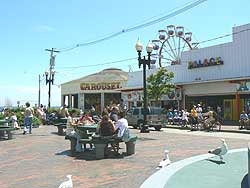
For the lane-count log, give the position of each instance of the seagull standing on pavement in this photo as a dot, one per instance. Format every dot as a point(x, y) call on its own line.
point(165, 161)
point(68, 183)
point(220, 151)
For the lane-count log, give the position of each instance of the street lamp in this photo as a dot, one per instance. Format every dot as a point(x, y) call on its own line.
point(49, 79)
point(144, 62)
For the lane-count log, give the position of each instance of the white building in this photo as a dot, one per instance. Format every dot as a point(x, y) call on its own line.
point(212, 76)
point(215, 75)
point(98, 90)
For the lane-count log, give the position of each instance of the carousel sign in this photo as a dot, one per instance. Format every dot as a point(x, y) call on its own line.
point(100, 86)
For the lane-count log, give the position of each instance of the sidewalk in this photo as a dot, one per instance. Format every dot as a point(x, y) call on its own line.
point(224, 128)
point(43, 159)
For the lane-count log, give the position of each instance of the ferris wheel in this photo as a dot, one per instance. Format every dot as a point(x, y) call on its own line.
point(171, 43)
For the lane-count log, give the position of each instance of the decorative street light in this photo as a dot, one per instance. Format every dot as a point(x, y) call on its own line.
point(144, 62)
point(50, 75)
point(49, 80)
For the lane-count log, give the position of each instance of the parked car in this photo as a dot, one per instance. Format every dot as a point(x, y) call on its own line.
point(155, 117)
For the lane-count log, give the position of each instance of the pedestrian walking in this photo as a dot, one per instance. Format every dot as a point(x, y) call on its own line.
point(28, 116)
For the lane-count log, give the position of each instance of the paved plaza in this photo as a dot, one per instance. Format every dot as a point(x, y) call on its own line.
point(43, 159)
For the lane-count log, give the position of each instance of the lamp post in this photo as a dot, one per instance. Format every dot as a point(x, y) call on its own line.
point(144, 62)
point(49, 80)
point(50, 75)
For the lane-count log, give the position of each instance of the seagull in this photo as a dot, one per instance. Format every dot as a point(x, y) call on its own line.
point(220, 151)
point(165, 161)
point(68, 183)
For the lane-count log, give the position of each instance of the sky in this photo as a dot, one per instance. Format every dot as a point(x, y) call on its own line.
point(29, 27)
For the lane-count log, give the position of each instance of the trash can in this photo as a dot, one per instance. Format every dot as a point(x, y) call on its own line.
point(130, 147)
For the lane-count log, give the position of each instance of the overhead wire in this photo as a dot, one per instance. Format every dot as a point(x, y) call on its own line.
point(133, 58)
point(133, 28)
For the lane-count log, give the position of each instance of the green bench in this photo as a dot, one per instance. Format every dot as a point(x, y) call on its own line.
point(8, 131)
point(60, 128)
point(101, 143)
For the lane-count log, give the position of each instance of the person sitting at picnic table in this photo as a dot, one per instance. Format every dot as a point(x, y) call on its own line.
point(114, 114)
point(243, 120)
point(86, 119)
point(121, 126)
point(106, 127)
point(70, 131)
point(63, 112)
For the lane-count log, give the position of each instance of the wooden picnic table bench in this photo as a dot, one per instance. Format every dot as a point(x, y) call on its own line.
point(60, 128)
point(101, 143)
point(6, 130)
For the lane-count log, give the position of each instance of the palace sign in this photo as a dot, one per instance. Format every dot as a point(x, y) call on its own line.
point(100, 86)
point(205, 63)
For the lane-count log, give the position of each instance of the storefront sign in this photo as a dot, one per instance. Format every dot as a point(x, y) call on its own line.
point(205, 63)
point(100, 86)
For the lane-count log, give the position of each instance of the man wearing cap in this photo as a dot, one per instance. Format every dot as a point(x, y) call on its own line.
point(199, 113)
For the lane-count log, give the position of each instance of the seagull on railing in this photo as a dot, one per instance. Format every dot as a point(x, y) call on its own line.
point(220, 151)
point(68, 183)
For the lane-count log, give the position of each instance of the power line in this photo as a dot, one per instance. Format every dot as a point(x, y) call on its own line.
point(223, 36)
point(111, 62)
point(179, 11)
point(133, 58)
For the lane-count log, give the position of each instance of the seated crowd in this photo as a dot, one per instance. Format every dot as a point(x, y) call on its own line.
point(244, 122)
point(196, 118)
point(113, 123)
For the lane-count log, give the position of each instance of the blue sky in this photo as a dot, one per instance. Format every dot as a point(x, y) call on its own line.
point(28, 27)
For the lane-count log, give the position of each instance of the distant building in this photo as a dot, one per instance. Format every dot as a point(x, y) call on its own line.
point(97, 90)
point(215, 75)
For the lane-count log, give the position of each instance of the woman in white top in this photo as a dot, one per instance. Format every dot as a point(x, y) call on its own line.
point(70, 131)
point(122, 127)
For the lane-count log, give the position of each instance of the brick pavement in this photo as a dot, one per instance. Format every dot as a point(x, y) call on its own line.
point(43, 160)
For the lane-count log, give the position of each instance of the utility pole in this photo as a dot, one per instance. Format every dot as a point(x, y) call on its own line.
point(39, 91)
point(51, 72)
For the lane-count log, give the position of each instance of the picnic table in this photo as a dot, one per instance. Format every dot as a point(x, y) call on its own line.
point(3, 122)
point(89, 129)
point(88, 136)
point(5, 129)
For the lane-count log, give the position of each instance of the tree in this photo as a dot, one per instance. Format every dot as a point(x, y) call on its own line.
point(159, 84)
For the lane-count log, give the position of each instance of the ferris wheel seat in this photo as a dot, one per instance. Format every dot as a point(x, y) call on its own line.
point(156, 47)
point(170, 32)
point(162, 37)
point(180, 33)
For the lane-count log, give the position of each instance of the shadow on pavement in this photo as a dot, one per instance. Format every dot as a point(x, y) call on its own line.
point(89, 155)
point(56, 133)
point(244, 182)
point(145, 139)
point(216, 161)
point(66, 153)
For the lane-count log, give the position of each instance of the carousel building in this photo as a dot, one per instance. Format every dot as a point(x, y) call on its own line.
point(96, 90)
